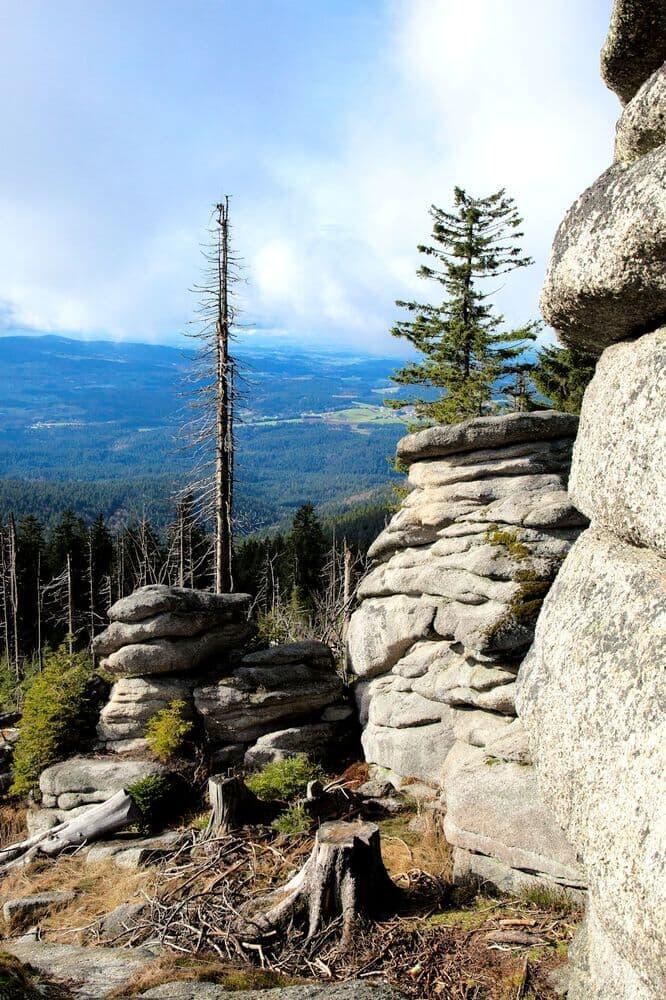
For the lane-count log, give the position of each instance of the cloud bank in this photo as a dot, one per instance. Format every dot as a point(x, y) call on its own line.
point(334, 131)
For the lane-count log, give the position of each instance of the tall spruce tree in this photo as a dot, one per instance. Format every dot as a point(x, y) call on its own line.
point(464, 344)
point(561, 375)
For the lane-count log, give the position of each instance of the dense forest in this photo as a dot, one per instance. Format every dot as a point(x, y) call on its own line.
point(58, 580)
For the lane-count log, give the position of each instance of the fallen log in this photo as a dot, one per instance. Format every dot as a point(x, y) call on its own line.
point(344, 878)
point(98, 821)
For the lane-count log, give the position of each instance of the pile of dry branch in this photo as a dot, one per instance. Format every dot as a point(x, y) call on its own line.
point(201, 893)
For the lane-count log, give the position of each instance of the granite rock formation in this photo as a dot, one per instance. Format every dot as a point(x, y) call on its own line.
point(447, 613)
point(592, 691)
point(163, 630)
point(234, 698)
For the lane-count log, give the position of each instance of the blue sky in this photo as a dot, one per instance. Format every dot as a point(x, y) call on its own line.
point(333, 124)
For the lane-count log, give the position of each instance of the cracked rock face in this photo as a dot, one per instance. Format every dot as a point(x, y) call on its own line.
point(447, 613)
point(592, 690)
point(642, 125)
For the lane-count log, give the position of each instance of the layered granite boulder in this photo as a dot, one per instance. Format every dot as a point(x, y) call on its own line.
point(72, 786)
point(273, 699)
point(163, 630)
point(592, 691)
point(447, 612)
point(170, 644)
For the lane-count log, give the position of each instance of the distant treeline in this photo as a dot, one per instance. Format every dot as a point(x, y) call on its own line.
point(58, 579)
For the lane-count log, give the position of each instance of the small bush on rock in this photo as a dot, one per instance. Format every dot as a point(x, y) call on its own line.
point(154, 797)
point(293, 822)
point(59, 714)
point(284, 779)
point(167, 730)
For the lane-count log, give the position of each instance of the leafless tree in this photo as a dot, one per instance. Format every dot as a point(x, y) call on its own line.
point(214, 384)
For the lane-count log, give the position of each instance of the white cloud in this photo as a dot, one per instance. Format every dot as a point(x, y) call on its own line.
point(481, 93)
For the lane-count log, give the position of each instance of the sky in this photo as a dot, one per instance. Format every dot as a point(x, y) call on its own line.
point(333, 125)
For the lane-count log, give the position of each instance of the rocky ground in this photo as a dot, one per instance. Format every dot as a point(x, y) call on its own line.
point(88, 925)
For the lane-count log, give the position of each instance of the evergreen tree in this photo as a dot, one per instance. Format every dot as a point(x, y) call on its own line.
point(307, 549)
point(561, 375)
point(464, 345)
point(30, 580)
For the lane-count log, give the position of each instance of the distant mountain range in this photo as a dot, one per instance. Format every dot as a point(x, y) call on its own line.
point(98, 424)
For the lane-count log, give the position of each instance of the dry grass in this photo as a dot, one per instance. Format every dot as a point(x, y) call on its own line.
point(99, 887)
point(174, 968)
point(12, 823)
point(404, 849)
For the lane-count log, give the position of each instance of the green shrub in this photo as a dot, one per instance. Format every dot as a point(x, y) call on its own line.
point(59, 716)
point(168, 729)
point(293, 822)
point(154, 797)
point(284, 779)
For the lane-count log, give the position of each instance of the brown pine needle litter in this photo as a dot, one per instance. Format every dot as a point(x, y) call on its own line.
point(444, 942)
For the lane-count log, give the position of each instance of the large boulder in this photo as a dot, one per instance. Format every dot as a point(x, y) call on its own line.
point(618, 472)
point(642, 124)
point(635, 45)
point(606, 279)
point(159, 598)
point(593, 698)
point(81, 781)
point(162, 630)
point(269, 691)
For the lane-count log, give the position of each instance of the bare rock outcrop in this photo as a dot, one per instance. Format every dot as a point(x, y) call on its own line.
point(447, 613)
point(592, 691)
point(164, 630)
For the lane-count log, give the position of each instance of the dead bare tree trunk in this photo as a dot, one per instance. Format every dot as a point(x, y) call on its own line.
point(70, 605)
point(215, 395)
point(13, 593)
point(224, 413)
point(40, 599)
point(96, 822)
point(344, 878)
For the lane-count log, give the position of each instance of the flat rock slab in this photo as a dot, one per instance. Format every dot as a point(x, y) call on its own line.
point(158, 598)
point(175, 656)
point(352, 990)
point(486, 432)
point(91, 972)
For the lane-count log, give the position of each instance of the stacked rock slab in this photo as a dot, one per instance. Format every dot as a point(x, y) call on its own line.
point(168, 644)
point(159, 641)
point(277, 702)
point(448, 612)
point(593, 691)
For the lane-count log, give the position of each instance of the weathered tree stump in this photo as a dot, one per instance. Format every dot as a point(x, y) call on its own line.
point(344, 877)
point(233, 805)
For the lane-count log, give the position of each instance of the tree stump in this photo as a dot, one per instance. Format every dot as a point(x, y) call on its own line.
point(233, 805)
point(344, 878)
